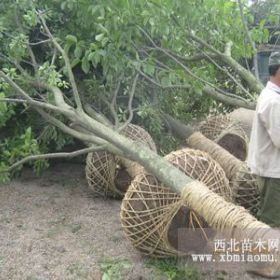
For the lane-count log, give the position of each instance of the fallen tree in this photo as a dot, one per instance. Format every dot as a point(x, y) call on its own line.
point(92, 129)
point(96, 131)
point(244, 184)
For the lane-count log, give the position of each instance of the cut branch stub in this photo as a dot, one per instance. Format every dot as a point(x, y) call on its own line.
point(152, 214)
point(227, 133)
point(109, 175)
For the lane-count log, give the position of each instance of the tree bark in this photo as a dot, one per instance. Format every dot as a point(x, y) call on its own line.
point(228, 99)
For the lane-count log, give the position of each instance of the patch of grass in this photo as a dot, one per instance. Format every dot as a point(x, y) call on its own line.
point(173, 271)
point(113, 269)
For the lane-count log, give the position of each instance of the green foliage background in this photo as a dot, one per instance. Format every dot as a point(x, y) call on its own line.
point(106, 45)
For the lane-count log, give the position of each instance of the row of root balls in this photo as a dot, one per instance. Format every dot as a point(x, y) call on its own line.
point(155, 218)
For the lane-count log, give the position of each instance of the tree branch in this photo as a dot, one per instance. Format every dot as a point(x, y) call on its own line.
point(185, 86)
point(67, 64)
point(112, 105)
point(131, 96)
point(13, 100)
point(187, 70)
point(59, 99)
point(54, 155)
point(30, 100)
point(177, 128)
point(228, 51)
point(193, 58)
point(70, 113)
point(31, 54)
point(39, 42)
point(228, 99)
point(252, 81)
point(249, 37)
point(96, 116)
point(223, 96)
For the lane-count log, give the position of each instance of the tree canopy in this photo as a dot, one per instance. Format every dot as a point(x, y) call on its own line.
point(131, 60)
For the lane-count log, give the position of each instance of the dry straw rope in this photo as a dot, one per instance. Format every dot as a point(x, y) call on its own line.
point(244, 184)
point(100, 173)
point(229, 219)
point(102, 167)
point(218, 212)
point(229, 163)
point(199, 165)
point(139, 134)
point(245, 189)
point(148, 208)
point(218, 127)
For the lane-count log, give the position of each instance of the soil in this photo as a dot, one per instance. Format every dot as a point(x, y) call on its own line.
point(52, 227)
point(234, 145)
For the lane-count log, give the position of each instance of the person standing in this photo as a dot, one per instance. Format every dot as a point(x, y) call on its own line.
point(264, 146)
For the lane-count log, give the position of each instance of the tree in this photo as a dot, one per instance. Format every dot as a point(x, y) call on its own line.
point(182, 70)
point(45, 80)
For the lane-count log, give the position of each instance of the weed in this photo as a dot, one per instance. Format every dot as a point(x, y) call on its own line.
point(113, 269)
point(173, 271)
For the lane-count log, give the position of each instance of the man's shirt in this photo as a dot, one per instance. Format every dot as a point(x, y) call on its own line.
point(264, 147)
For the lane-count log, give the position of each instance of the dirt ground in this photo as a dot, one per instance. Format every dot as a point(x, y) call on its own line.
point(52, 227)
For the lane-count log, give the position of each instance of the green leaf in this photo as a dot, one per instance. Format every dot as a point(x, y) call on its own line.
point(78, 52)
point(102, 28)
point(71, 39)
point(165, 81)
point(85, 65)
point(99, 37)
point(149, 69)
point(74, 62)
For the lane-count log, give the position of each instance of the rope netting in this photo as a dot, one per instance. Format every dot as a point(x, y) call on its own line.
point(101, 169)
point(110, 176)
point(245, 189)
point(244, 184)
point(139, 134)
point(152, 214)
point(228, 133)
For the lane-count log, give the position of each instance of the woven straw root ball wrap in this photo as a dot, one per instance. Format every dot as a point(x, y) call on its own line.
point(244, 184)
point(108, 175)
point(151, 213)
point(245, 189)
point(140, 135)
point(228, 133)
point(101, 168)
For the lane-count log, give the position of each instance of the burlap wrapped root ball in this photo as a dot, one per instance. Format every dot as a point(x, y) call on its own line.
point(152, 214)
point(245, 188)
point(228, 133)
point(108, 175)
